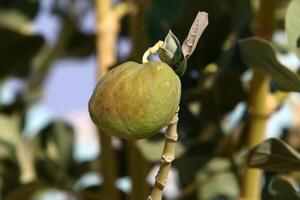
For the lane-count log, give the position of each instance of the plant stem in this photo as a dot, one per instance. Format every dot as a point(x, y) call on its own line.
point(106, 55)
point(166, 160)
point(252, 178)
point(259, 88)
point(106, 41)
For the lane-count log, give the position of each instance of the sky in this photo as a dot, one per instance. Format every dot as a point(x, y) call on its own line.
point(67, 87)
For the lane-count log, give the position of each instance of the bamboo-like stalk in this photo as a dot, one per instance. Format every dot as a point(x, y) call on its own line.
point(251, 185)
point(171, 136)
point(106, 55)
point(166, 160)
point(106, 40)
point(259, 88)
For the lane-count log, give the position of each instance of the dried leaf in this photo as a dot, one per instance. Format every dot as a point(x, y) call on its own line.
point(195, 32)
point(274, 155)
point(260, 55)
point(281, 189)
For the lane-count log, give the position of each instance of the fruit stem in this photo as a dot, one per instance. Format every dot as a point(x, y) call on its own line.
point(152, 50)
point(166, 160)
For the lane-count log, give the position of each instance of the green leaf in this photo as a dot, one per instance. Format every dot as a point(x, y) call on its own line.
point(17, 52)
point(181, 67)
point(212, 177)
point(10, 129)
point(26, 191)
point(260, 55)
point(171, 53)
point(18, 44)
point(7, 151)
point(9, 168)
point(9, 139)
point(10, 173)
point(274, 155)
point(54, 145)
point(15, 21)
point(292, 25)
point(172, 45)
point(281, 189)
point(26, 7)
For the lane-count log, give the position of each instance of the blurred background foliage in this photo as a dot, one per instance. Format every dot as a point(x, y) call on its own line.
point(48, 145)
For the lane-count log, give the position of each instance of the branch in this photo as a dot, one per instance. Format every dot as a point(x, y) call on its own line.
point(166, 160)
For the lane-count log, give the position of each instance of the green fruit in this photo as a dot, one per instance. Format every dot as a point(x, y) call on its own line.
point(135, 101)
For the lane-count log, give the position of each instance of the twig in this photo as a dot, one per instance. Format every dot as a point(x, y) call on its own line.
point(166, 160)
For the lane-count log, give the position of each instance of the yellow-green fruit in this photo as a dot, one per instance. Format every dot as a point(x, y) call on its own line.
point(135, 101)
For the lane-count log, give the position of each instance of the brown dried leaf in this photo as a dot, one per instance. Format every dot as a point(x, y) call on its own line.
point(195, 32)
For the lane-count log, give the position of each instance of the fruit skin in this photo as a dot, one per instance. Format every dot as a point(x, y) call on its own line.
point(135, 101)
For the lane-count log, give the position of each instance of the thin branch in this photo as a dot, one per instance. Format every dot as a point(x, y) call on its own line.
point(166, 160)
